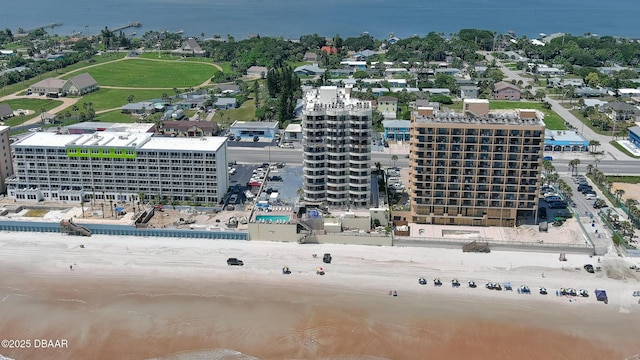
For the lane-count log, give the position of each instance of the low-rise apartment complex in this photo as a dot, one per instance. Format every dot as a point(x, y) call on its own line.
point(118, 166)
point(475, 167)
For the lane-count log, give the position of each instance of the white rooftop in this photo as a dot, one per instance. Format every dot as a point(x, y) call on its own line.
point(121, 140)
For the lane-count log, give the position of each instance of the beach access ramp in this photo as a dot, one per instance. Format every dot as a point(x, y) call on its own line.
point(70, 228)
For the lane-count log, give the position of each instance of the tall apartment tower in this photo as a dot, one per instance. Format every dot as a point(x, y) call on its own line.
point(6, 159)
point(475, 167)
point(337, 147)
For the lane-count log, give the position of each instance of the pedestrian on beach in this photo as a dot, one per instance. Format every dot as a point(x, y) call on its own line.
point(71, 267)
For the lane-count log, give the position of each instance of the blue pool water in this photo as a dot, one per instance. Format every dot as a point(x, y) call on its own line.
point(273, 218)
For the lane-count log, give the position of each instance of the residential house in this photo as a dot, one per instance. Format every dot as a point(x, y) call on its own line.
point(505, 91)
point(351, 64)
point(397, 130)
point(80, 85)
point(625, 92)
point(189, 47)
point(190, 128)
point(469, 92)
point(341, 73)
point(406, 89)
point(397, 83)
point(620, 111)
point(395, 71)
point(634, 135)
point(449, 71)
point(310, 56)
point(138, 107)
point(48, 86)
point(595, 103)
point(226, 103)
point(227, 89)
point(610, 70)
point(387, 106)
point(588, 92)
point(308, 70)
point(548, 71)
point(259, 71)
point(437, 91)
point(5, 111)
point(329, 50)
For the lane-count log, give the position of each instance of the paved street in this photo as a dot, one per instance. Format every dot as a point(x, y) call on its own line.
point(610, 151)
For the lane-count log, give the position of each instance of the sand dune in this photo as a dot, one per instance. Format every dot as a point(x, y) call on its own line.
point(141, 298)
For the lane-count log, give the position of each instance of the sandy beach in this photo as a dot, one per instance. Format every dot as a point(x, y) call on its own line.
point(153, 298)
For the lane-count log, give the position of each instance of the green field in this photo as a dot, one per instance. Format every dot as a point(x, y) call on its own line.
point(151, 74)
point(104, 99)
point(246, 112)
point(29, 104)
point(115, 117)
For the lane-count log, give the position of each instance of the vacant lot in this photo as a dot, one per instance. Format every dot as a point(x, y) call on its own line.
point(104, 99)
point(141, 73)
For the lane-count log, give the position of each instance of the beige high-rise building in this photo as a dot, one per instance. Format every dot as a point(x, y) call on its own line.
point(6, 159)
point(337, 147)
point(475, 167)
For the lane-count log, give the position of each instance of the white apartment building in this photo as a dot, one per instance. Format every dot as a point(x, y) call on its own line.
point(6, 164)
point(337, 147)
point(118, 166)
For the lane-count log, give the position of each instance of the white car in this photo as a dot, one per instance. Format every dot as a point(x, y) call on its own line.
point(591, 196)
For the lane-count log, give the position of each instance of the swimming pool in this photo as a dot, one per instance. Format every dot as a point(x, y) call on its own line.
point(273, 218)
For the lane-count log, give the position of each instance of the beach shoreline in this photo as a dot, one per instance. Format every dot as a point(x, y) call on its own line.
point(143, 298)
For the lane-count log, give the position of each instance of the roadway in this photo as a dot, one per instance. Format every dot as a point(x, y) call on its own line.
point(249, 155)
point(565, 114)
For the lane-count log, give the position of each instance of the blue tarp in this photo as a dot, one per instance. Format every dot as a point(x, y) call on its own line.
point(119, 208)
point(601, 295)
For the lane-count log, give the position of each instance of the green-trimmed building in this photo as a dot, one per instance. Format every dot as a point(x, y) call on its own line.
point(118, 166)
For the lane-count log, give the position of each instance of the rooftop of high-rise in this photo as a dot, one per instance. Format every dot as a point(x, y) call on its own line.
point(333, 97)
point(502, 117)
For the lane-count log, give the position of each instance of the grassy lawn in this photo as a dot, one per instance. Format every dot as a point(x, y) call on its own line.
point(112, 98)
point(551, 119)
point(152, 74)
point(246, 112)
point(624, 179)
point(116, 117)
point(29, 104)
point(98, 59)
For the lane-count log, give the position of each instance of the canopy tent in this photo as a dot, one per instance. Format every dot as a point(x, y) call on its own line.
point(601, 295)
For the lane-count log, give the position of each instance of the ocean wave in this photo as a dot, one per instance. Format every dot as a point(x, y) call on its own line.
point(229, 354)
point(210, 354)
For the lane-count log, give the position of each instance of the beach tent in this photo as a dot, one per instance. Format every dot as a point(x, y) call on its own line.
point(601, 295)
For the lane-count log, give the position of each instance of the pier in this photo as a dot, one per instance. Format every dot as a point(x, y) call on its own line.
point(133, 24)
point(52, 26)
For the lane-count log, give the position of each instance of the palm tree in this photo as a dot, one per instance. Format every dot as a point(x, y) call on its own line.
point(394, 158)
point(589, 169)
point(82, 204)
point(553, 178)
point(573, 164)
point(75, 109)
point(130, 98)
point(378, 167)
point(594, 145)
point(619, 193)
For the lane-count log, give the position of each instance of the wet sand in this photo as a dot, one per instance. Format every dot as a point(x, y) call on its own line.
point(143, 317)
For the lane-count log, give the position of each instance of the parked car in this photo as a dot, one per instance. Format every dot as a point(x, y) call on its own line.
point(557, 205)
point(234, 262)
point(326, 258)
point(233, 199)
point(590, 196)
point(275, 178)
point(551, 199)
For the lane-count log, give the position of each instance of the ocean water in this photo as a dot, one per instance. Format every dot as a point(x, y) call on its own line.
point(292, 18)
